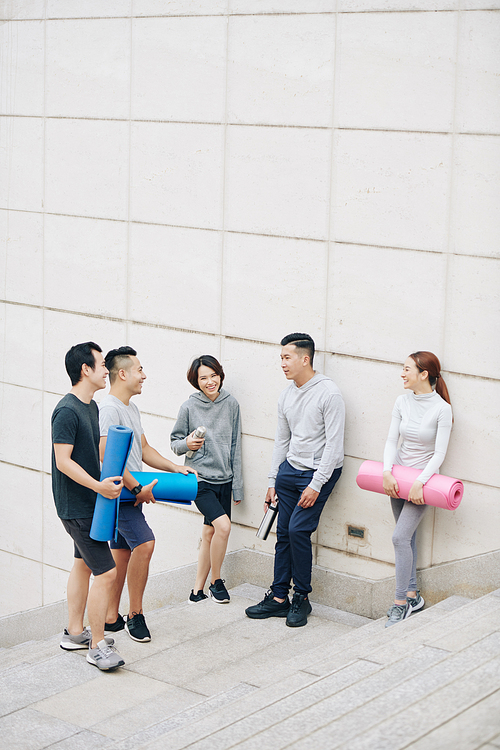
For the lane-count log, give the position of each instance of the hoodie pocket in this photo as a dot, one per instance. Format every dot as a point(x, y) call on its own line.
point(200, 453)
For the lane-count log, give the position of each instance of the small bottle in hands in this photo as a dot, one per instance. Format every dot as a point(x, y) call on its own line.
point(200, 432)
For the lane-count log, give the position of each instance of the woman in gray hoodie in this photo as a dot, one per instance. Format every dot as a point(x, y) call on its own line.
point(217, 459)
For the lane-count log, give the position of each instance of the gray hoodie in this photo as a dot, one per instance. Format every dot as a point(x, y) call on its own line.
point(310, 432)
point(219, 459)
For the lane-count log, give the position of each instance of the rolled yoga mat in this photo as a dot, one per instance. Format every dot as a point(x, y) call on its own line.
point(171, 488)
point(440, 491)
point(118, 445)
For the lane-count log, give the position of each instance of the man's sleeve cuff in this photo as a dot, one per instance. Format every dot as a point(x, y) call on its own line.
point(315, 485)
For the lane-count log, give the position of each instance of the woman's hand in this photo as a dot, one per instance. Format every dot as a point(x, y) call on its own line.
point(416, 494)
point(185, 470)
point(194, 443)
point(391, 487)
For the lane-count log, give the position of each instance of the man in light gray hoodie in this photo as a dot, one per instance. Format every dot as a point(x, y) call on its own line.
point(306, 464)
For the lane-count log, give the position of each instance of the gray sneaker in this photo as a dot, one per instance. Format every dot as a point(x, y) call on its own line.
point(83, 640)
point(416, 602)
point(398, 613)
point(105, 657)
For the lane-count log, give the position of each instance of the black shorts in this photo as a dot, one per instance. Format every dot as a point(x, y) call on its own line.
point(214, 500)
point(96, 555)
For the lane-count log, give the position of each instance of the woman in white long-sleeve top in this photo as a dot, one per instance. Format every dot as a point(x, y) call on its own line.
point(422, 418)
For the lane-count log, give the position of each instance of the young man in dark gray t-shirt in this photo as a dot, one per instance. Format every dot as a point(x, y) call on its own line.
point(75, 484)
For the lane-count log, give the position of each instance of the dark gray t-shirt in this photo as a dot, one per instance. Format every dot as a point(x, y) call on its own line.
point(77, 424)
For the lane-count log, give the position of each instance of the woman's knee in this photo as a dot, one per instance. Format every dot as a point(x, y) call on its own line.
point(400, 540)
point(222, 526)
point(207, 533)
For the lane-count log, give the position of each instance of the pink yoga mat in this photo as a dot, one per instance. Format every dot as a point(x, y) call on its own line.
point(440, 491)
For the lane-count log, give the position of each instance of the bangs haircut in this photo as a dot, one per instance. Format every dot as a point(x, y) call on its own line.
point(208, 361)
point(79, 355)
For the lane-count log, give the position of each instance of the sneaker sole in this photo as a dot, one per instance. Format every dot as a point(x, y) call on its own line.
point(146, 638)
point(301, 623)
point(190, 601)
point(266, 615)
point(73, 646)
point(418, 607)
point(217, 601)
point(296, 624)
point(105, 669)
point(389, 624)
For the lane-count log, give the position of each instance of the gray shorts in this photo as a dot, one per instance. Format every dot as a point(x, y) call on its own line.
point(133, 529)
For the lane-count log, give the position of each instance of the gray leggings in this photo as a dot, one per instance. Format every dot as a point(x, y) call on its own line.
point(408, 516)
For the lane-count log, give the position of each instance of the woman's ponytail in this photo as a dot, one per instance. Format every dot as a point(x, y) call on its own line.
point(428, 361)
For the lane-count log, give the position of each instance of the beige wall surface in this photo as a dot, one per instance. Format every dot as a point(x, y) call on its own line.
point(206, 176)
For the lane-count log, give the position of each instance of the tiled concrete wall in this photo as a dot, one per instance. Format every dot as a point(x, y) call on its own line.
point(193, 176)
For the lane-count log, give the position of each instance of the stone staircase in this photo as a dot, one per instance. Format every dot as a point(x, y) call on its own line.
point(211, 679)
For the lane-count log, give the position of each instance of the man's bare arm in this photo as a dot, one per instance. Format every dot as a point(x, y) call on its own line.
point(152, 458)
point(65, 464)
point(146, 494)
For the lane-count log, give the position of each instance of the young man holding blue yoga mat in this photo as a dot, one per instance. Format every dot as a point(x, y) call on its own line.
point(133, 550)
point(75, 484)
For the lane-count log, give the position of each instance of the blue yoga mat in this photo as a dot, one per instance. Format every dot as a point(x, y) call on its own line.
point(118, 447)
point(171, 488)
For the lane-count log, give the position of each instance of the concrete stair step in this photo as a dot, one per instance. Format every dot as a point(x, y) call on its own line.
point(356, 698)
point(264, 719)
point(212, 678)
point(382, 722)
point(224, 655)
point(346, 704)
point(373, 639)
point(167, 684)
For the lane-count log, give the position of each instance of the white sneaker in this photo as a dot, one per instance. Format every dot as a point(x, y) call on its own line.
point(105, 657)
point(83, 640)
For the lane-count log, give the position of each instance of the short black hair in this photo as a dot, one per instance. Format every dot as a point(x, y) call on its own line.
point(79, 355)
point(208, 361)
point(117, 359)
point(301, 341)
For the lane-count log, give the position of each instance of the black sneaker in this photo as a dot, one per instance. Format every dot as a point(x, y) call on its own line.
point(193, 598)
point(299, 609)
point(114, 627)
point(136, 627)
point(268, 607)
point(218, 592)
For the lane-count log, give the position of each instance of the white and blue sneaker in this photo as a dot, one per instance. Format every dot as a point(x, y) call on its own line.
point(398, 613)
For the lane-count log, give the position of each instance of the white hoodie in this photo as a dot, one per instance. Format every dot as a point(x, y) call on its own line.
point(310, 432)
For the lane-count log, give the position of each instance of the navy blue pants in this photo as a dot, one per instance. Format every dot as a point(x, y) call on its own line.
point(293, 551)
